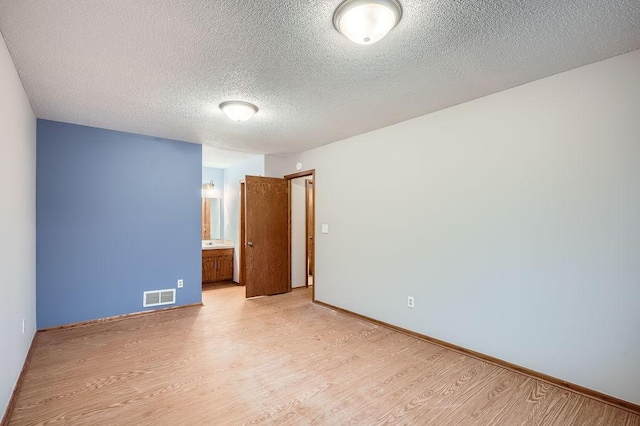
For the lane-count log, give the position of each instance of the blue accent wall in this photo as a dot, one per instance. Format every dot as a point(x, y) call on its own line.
point(117, 214)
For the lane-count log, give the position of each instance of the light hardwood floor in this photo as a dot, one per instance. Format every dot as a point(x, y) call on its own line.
point(277, 360)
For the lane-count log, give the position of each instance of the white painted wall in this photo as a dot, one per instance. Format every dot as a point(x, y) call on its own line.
point(17, 225)
point(514, 221)
point(298, 233)
point(273, 165)
point(232, 177)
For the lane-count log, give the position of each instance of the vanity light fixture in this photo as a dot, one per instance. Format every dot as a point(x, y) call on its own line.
point(238, 110)
point(367, 21)
point(207, 190)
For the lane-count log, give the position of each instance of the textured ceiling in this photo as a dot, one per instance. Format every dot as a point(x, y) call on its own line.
point(222, 158)
point(161, 68)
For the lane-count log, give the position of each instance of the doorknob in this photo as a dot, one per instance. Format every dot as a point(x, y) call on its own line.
point(250, 243)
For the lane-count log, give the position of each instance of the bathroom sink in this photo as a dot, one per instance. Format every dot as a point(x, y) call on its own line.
point(208, 245)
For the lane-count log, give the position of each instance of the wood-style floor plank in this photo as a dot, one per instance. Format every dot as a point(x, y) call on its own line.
point(277, 360)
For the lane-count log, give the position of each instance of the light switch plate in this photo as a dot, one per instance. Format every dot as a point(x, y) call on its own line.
point(325, 228)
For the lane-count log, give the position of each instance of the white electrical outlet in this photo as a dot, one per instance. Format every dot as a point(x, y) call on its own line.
point(410, 302)
point(23, 321)
point(180, 283)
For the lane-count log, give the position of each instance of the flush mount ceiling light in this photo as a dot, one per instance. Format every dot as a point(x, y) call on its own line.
point(366, 21)
point(238, 110)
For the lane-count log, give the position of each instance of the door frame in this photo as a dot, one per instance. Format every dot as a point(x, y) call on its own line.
point(242, 248)
point(289, 178)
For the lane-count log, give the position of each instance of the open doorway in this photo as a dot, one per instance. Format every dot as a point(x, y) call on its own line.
point(302, 235)
point(302, 230)
point(310, 219)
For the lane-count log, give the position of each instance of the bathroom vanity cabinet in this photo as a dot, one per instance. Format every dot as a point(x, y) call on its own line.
point(217, 265)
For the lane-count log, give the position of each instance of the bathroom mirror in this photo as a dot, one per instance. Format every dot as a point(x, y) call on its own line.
point(211, 223)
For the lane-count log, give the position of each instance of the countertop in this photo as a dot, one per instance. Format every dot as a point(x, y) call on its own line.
point(209, 245)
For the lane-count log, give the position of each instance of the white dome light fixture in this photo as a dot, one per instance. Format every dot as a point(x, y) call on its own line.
point(367, 21)
point(238, 110)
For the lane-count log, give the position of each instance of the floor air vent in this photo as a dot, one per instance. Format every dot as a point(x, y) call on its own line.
point(159, 297)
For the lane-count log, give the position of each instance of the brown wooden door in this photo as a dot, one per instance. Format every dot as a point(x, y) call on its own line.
point(267, 236)
point(310, 213)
